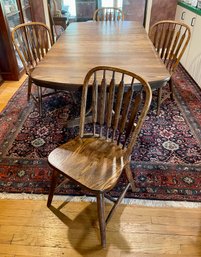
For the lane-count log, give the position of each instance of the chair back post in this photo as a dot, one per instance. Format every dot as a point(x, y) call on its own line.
point(120, 102)
point(170, 39)
point(54, 12)
point(108, 14)
point(32, 41)
point(52, 25)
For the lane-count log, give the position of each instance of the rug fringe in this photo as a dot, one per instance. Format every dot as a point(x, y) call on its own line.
point(128, 201)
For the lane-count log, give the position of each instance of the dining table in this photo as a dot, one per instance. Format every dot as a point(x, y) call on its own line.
point(84, 45)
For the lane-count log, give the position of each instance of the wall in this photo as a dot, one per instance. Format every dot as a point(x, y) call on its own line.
point(148, 15)
point(134, 10)
point(162, 10)
point(85, 9)
point(39, 14)
point(46, 12)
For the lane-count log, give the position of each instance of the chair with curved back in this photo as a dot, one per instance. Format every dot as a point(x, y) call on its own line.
point(108, 14)
point(32, 41)
point(97, 157)
point(170, 39)
point(56, 30)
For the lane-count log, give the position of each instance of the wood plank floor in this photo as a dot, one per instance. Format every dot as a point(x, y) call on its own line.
point(29, 229)
point(7, 89)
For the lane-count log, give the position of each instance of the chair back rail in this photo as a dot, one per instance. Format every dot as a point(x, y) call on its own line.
point(108, 14)
point(120, 102)
point(170, 39)
point(32, 41)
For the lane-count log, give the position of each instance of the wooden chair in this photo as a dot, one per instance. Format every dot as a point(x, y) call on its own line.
point(108, 14)
point(56, 29)
point(97, 159)
point(32, 41)
point(170, 39)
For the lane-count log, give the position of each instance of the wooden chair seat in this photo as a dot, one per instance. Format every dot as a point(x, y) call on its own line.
point(82, 159)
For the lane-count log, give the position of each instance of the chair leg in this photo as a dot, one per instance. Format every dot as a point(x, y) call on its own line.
point(171, 90)
point(130, 177)
point(52, 188)
point(101, 217)
point(40, 100)
point(159, 100)
point(29, 88)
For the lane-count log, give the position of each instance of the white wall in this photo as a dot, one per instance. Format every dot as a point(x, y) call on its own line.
point(46, 13)
point(148, 15)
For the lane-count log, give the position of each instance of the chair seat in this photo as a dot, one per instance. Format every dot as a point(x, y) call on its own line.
point(82, 158)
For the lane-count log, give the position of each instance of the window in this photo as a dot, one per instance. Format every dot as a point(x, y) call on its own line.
point(112, 3)
point(69, 6)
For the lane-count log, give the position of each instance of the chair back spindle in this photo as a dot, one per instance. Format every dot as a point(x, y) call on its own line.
point(108, 14)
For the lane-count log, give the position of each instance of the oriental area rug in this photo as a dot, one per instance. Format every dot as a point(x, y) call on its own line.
point(166, 160)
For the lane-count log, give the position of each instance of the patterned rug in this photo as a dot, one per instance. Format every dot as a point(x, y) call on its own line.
point(166, 160)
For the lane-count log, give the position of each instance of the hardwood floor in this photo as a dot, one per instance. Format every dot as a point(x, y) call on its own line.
point(7, 89)
point(29, 229)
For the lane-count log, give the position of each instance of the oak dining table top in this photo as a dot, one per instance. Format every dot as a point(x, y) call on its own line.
point(84, 45)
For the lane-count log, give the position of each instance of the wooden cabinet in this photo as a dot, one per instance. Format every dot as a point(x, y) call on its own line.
point(61, 21)
point(194, 53)
point(8, 61)
point(188, 17)
point(12, 13)
point(192, 57)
